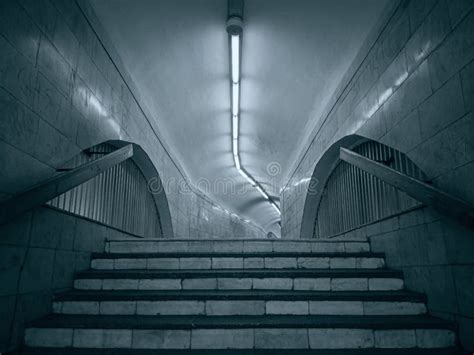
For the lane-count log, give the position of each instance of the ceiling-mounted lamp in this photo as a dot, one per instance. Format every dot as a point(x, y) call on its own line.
point(235, 127)
point(247, 177)
point(263, 193)
point(234, 29)
point(235, 52)
point(235, 98)
point(274, 205)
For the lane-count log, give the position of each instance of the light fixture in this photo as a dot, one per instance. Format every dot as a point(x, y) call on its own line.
point(263, 193)
point(234, 28)
point(237, 161)
point(247, 177)
point(274, 205)
point(235, 99)
point(235, 127)
point(235, 147)
point(235, 52)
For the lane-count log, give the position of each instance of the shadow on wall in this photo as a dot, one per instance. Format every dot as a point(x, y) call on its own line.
point(42, 249)
point(435, 253)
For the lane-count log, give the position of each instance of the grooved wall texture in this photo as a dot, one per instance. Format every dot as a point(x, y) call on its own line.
point(413, 91)
point(60, 93)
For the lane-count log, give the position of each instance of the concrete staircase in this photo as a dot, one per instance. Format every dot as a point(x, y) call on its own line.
point(316, 297)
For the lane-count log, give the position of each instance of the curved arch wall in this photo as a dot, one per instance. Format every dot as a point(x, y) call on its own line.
point(352, 198)
point(65, 90)
point(411, 88)
point(128, 196)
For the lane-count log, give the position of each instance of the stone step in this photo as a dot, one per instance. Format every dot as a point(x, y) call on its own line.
point(234, 246)
point(304, 280)
point(88, 351)
point(239, 303)
point(241, 295)
point(240, 332)
point(262, 260)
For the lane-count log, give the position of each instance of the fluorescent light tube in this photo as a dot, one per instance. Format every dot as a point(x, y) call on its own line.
point(259, 189)
point(235, 108)
point(275, 207)
point(237, 161)
point(235, 52)
point(235, 127)
point(248, 178)
point(235, 99)
point(235, 146)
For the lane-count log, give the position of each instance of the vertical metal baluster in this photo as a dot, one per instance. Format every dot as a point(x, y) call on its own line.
point(378, 190)
point(102, 206)
point(335, 213)
point(123, 192)
point(132, 210)
point(126, 203)
point(347, 201)
point(93, 196)
point(345, 198)
point(144, 205)
point(135, 198)
point(373, 202)
point(111, 190)
point(139, 224)
point(340, 222)
point(384, 191)
point(117, 195)
point(355, 198)
point(333, 198)
point(351, 196)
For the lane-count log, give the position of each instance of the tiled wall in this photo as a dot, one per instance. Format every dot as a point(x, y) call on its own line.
point(436, 257)
point(411, 87)
point(60, 93)
point(39, 253)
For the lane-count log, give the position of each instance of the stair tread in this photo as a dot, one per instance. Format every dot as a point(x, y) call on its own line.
point(86, 351)
point(241, 273)
point(110, 295)
point(226, 240)
point(232, 322)
point(236, 254)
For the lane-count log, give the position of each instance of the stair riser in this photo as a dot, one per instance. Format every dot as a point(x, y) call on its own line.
point(260, 338)
point(233, 247)
point(227, 308)
point(299, 284)
point(203, 263)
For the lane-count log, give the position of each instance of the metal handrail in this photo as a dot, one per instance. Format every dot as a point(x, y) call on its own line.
point(61, 183)
point(449, 205)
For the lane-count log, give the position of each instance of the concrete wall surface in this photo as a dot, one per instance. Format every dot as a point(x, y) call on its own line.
point(411, 88)
point(436, 258)
point(39, 253)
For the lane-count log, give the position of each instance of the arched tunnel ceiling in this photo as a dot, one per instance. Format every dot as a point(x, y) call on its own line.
point(294, 54)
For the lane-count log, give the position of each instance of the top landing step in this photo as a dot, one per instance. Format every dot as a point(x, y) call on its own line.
point(236, 245)
point(280, 240)
point(77, 351)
